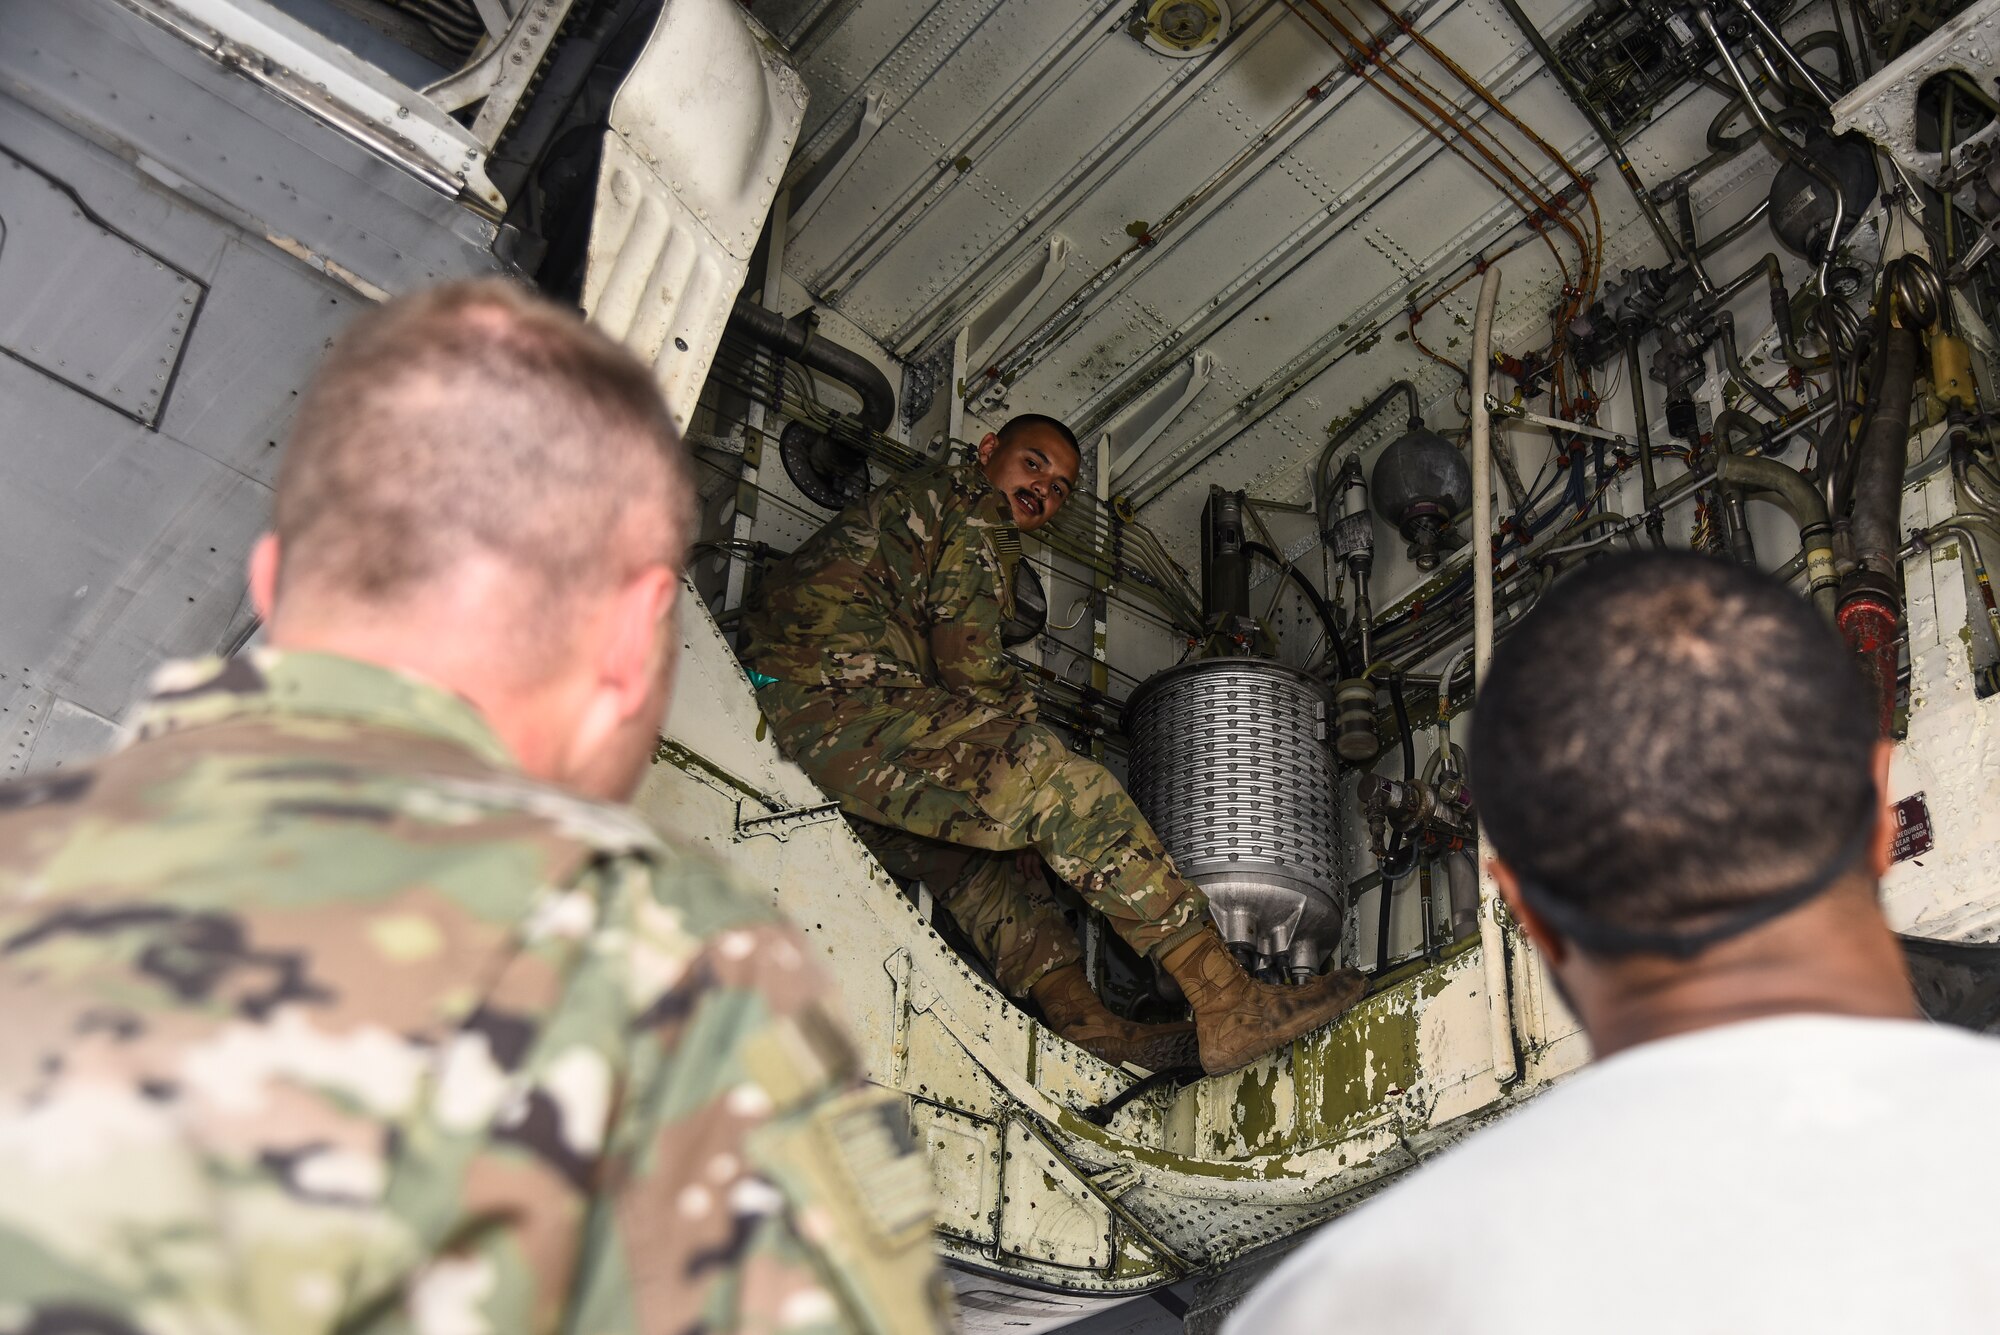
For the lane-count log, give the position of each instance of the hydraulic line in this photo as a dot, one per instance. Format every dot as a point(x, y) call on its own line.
point(1649, 485)
point(1322, 477)
point(1791, 57)
point(1597, 123)
point(1725, 326)
point(1485, 94)
point(1706, 18)
point(1367, 54)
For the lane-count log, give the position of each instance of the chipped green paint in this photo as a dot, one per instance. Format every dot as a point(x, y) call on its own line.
point(1379, 1058)
point(1137, 228)
point(1255, 1119)
point(1374, 337)
point(1336, 1088)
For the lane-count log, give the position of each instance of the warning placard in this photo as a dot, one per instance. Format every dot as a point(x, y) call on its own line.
point(1913, 828)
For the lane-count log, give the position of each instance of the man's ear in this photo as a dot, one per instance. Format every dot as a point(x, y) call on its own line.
point(634, 648)
point(1882, 848)
point(987, 444)
point(264, 575)
point(1537, 930)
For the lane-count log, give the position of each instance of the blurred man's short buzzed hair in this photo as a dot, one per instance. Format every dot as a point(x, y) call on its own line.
point(1669, 741)
point(477, 418)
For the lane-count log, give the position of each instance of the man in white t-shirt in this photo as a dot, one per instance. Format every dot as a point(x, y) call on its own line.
point(1676, 765)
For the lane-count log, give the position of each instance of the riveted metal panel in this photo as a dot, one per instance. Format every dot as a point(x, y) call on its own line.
point(82, 302)
point(699, 135)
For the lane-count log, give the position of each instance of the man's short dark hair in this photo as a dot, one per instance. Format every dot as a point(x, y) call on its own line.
point(477, 417)
point(1669, 741)
point(1020, 422)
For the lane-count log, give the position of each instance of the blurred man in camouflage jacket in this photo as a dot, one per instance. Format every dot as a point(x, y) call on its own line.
point(345, 998)
point(878, 643)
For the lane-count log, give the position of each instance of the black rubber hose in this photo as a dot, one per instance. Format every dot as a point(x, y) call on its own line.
point(1389, 856)
point(1403, 729)
point(1394, 868)
point(1882, 455)
point(1313, 596)
point(804, 345)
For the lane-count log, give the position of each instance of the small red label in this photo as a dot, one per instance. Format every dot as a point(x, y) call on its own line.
point(1913, 828)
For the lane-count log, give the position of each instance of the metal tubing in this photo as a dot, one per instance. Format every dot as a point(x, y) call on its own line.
point(1492, 937)
point(1323, 468)
point(1725, 325)
point(1966, 529)
point(1791, 57)
point(1706, 18)
point(1684, 210)
point(1736, 230)
point(1597, 123)
point(1649, 485)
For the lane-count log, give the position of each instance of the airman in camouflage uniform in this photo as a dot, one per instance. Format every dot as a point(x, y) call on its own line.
point(340, 1002)
point(879, 645)
point(321, 1016)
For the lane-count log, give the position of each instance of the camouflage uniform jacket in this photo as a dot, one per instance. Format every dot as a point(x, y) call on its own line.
point(905, 588)
point(320, 1016)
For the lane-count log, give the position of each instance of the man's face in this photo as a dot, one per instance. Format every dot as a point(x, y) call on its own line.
point(1035, 471)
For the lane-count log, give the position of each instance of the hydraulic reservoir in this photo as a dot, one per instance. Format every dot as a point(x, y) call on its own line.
point(1230, 763)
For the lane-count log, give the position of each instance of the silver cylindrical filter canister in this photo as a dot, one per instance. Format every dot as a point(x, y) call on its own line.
point(1230, 763)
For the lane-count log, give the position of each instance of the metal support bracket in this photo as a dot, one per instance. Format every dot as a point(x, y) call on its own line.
point(814, 188)
point(780, 824)
point(987, 333)
point(1520, 414)
point(498, 79)
point(1129, 440)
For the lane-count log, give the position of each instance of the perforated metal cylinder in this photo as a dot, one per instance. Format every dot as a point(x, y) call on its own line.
point(1230, 763)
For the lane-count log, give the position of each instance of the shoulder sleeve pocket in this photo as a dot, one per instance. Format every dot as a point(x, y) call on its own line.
point(859, 1191)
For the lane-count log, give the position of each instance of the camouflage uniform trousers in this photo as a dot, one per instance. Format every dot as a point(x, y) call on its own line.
point(950, 791)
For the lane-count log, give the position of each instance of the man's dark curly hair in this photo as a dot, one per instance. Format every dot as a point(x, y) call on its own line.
point(1669, 739)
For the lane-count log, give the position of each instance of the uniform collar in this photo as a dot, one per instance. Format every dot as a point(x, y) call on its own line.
point(272, 683)
point(991, 502)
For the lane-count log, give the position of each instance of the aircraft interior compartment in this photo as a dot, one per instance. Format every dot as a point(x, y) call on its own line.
point(1371, 320)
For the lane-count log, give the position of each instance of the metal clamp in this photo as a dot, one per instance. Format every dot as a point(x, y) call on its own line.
point(780, 824)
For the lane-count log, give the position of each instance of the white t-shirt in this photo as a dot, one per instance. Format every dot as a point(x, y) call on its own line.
point(1808, 1173)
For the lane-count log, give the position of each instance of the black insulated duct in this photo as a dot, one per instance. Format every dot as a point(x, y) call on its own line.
point(798, 339)
point(828, 472)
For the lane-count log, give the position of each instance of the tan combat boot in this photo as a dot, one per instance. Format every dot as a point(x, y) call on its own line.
point(1240, 1019)
point(1071, 1008)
